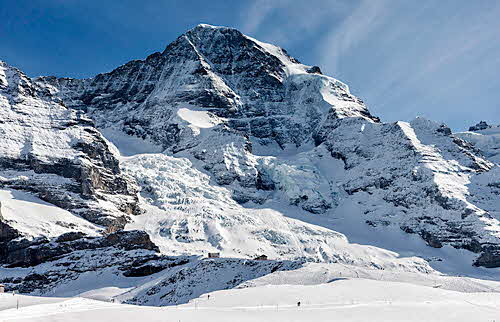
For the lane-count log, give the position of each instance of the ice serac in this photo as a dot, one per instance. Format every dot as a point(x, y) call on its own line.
point(56, 153)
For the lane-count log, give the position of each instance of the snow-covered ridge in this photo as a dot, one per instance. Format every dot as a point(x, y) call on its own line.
point(222, 71)
point(486, 138)
point(294, 67)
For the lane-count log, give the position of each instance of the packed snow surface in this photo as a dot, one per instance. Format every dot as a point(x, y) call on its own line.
point(339, 300)
point(201, 119)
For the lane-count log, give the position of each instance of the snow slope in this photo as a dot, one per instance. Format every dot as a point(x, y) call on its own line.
point(341, 300)
point(33, 217)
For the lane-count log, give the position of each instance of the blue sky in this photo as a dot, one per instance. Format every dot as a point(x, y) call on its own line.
point(439, 59)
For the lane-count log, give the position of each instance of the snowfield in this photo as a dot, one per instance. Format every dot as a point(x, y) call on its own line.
point(339, 300)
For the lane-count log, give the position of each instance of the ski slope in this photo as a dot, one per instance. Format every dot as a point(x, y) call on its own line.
point(339, 300)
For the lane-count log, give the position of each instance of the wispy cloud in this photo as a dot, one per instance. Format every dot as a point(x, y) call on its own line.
point(360, 24)
point(442, 59)
point(257, 13)
point(290, 21)
point(404, 58)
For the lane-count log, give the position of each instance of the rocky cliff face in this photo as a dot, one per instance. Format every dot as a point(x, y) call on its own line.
point(211, 90)
point(432, 189)
point(56, 153)
point(255, 88)
point(260, 154)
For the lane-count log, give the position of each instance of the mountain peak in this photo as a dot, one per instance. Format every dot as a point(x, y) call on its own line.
point(480, 126)
point(208, 26)
point(256, 87)
point(207, 29)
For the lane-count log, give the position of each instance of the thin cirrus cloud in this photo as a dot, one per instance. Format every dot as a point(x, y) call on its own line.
point(290, 22)
point(404, 58)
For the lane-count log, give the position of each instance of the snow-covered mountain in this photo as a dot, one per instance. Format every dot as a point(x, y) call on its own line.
point(486, 138)
point(222, 143)
point(47, 147)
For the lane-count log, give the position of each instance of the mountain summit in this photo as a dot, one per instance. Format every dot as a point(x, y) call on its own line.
point(256, 87)
point(222, 143)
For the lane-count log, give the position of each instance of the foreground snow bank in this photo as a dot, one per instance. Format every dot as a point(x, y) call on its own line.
point(340, 300)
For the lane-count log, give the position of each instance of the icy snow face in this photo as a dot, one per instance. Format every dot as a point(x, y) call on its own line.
point(308, 179)
point(186, 213)
point(198, 119)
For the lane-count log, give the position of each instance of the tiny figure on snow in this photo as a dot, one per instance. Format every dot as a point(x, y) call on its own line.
point(298, 303)
point(209, 296)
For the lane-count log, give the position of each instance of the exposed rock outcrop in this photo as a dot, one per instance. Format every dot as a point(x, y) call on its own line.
point(27, 253)
point(480, 126)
